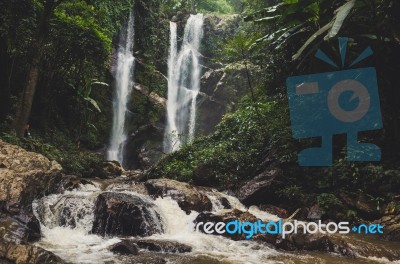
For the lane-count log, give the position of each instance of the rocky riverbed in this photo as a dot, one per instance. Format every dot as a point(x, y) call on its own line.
point(48, 217)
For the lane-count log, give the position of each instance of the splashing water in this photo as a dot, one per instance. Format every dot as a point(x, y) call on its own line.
point(124, 83)
point(183, 83)
point(66, 220)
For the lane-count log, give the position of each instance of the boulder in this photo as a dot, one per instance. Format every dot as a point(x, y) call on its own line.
point(27, 254)
point(257, 190)
point(110, 169)
point(367, 208)
point(316, 242)
point(145, 145)
point(125, 215)
point(231, 215)
point(315, 213)
point(127, 185)
point(188, 197)
point(344, 245)
point(391, 220)
point(164, 246)
point(19, 229)
point(391, 224)
point(210, 79)
point(70, 182)
point(135, 175)
point(24, 176)
point(125, 247)
point(275, 210)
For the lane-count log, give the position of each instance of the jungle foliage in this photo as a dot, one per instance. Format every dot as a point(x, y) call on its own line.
point(284, 36)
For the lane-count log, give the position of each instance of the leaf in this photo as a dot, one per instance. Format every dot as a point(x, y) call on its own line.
point(93, 103)
point(266, 19)
point(101, 83)
point(263, 12)
point(341, 14)
point(288, 34)
point(92, 126)
point(311, 39)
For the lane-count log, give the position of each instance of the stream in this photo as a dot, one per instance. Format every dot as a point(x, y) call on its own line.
point(66, 222)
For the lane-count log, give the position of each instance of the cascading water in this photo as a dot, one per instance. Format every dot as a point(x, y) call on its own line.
point(66, 222)
point(123, 85)
point(183, 83)
point(67, 219)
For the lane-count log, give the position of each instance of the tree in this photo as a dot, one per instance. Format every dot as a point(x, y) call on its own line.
point(38, 42)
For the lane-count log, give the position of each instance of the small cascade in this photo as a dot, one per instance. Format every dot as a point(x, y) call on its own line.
point(67, 222)
point(183, 83)
point(123, 88)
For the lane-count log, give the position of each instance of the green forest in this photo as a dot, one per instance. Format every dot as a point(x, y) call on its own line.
point(58, 79)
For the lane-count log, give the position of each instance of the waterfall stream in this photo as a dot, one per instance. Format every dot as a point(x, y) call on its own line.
point(66, 222)
point(123, 88)
point(183, 83)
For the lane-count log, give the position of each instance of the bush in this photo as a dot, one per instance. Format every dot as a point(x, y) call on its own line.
point(231, 154)
point(74, 161)
point(327, 200)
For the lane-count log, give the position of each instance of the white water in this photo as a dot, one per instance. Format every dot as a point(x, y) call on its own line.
point(124, 83)
point(183, 83)
point(66, 221)
point(180, 227)
point(72, 241)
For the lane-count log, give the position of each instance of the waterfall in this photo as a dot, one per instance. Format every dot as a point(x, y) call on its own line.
point(183, 83)
point(123, 85)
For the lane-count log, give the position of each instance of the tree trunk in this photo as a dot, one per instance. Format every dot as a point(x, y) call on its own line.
point(24, 111)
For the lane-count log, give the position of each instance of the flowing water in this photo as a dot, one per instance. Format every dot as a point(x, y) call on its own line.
point(123, 88)
point(183, 83)
point(66, 221)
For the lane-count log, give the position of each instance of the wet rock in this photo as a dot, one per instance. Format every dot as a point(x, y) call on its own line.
point(391, 224)
point(391, 220)
point(316, 242)
point(225, 203)
point(315, 213)
point(149, 155)
point(257, 190)
point(275, 210)
point(125, 215)
point(150, 257)
point(110, 169)
point(125, 247)
point(345, 245)
point(366, 207)
point(19, 229)
point(227, 217)
point(72, 182)
point(145, 145)
point(164, 246)
point(24, 176)
point(27, 254)
point(188, 197)
point(208, 217)
point(135, 175)
point(210, 80)
point(127, 185)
